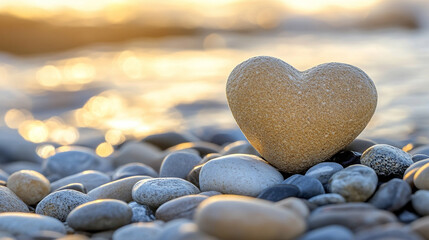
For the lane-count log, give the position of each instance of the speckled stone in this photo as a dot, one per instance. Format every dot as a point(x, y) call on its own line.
point(134, 169)
point(100, 215)
point(241, 174)
point(325, 199)
point(296, 205)
point(9, 202)
point(156, 191)
point(138, 231)
point(392, 195)
point(90, 179)
point(29, 223)
point(355, 183)
point(182, 207)
point(141, 213)
point(178, 164)
point(59, 204)
point(412, 170)
point(386, 160)
point(323, 172)
point(240, 217)
point(308, 186)
point(420, 201)
point(73, 186)
point(119, 189)
point(28, 185)
point(333, 232)
point(421, 178)
point(273, 102)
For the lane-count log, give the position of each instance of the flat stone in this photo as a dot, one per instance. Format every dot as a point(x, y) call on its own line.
point(134, 169)
point(333, 232)
point(386, 160)
point(178, 164)
point(279, 192)
point(137, 231)
point(240, 174)
point(28, 185)
point(120, 189)
point(392, 195)
point(60, 203)
point(419, 157)
point(258, 219)
point(421, 178)
point(14, 203)
point(308, 186)
point(360, 145)
point(79, 159)
point(325, 199)
point(239, 147)
point(156, 191)
point(323, 172)
point(298, 119)
point(90, 179)
point(194, 175)
point(420, 201)
point(412, 170)
point(133, 151)
point(355, 183)
point(100, 215)
point(296, 205)
point(346, 158)
point(29, 223)
point(141, 213)
point(169, 139)
point(203, 148)
point(421, 227)
point(73, 186)
point(182, 207)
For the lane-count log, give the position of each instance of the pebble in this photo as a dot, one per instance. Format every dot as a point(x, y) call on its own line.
point(178, 164)
point(29, 223)
point(171, 229)
point(239, 147)
point(137, 231)
point(419, 157)
point(355, 183)
point(133, 151)
point(209, 157)
point(203, 148)
point(296, 205)
point(346, 158)
point(308, 186)
point(89, 179)
point(323, 172)
point(386, 160)
point(100, 215)
point(421, 226)
point(258, 219)
point(3, 175)
point(79, 159)
point(30, 186)
point(156, 191)
point(421, 178)
point(134, 169)
point(407, 217)
point(412, 170)
point(333, 232)
point(14, 203)
point(119, 189)
point(240, 174)
point(182, 207)
point(325, 199)
point(185, 231)
point(279, 191)
point(194, 175)
point(392, 195)
point(360, 145)
point(169, 139)
point(141, 213)
point(73, 186)
point(268, 107)
point(420, 150)
point(60, 203)
point(420, 200)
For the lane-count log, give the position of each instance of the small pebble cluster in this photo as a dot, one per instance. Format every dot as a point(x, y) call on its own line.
point(172, 186)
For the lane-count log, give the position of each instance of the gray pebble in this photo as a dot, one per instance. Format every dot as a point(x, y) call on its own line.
point(134, 169)
point(137, 231)
point(203, 148)
point(355, 183)
point(156, 191)
point(325, 199)
point(239, 147)
point(392, 195)
point(89, 179)
point(419, 157)
point(386, 160)
point(412, 170)
point(73, 186)
point(323, 172)
point(119, 189)
point(308, 186)
point(141, 213)
point(194, 175)
point(9, 202)
point(182, 207)
point(60, 203)
point(170, 229)
point(407, 216)
point(29, 223)
point(133, 151)
point(178, 164)
point(420, 150)
point(169, 139)
point(420, 200)
point(106, 214)
point(209, 157)
point(333, 232)
point(360, 145)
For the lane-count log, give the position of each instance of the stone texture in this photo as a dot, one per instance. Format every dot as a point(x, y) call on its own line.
point(119, 189)
point(240, 174)
point(412, 170)
point(184, 231)
point(323, 171)
point(29, 223)
point(9, 202)
point(133, 151)
point(308, 186)
point(178, 164)
point(360, 145)
point(420, 201)
point(28, 185)
point(138, 231)
point(279, 192)
point(141, 213)
point(325, 199)
point(90, 179)
point(194, 175)
point(421, 178)
point(273, 103)
point(239, 217)
point(388, 231)
point(243, 147)
point(392, 195)
point(134, 169)
point(296, 205)
point(182, 207)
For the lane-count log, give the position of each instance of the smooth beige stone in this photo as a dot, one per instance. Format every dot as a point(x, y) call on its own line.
point(119, 189)
point(238, 217)
point(29, 185)
point(296, 205)
point(298, 119)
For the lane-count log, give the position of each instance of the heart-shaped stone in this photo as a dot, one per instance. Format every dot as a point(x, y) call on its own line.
point(298, 119)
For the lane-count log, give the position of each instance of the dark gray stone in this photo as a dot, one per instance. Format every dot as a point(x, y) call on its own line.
point(182, 207)
point(279, 192)
point(346, 158)
point(360, 145)
point(323, 172)
point(392, 195)
point(333, 232)
point(178, 164)
point(420, 150)
point(169, 139)
point(308, 186)
point(419, 157)
point(194, 175)
point(134, 169)
point(325, 199)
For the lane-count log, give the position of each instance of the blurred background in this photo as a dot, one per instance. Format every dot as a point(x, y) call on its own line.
point(96, 73)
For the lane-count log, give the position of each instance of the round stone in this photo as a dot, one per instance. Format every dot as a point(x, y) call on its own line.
point(194, 175)
point(156, 191)
point(386, 160)
point(119, 189)
point(59, 204)
point(388, 231)
point(141, 213)
point(134, 169)
point(240, 217)
point(178, 164)
point(14, 203)
point(333, 232)
point(296, 205)
point(308, 186)
point(298, 119)
point(392, 195)
point(420, 201)
point(89, 179)
point(29, 223)
point(407, 217)
point(323, 171)
point(279, 191)
point(325, 199)
point(421, 178)
point(29, 185)
point(182, 207)
point(100, 215)
point(184, 231)
point(240, 174)
point(355, 183)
